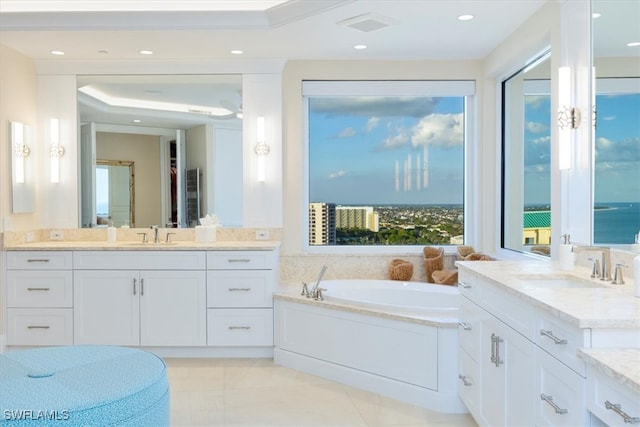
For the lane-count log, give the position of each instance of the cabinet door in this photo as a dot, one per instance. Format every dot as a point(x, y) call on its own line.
point(492, 374)
point(507, 383)
point(106, 307)
point(173, 308)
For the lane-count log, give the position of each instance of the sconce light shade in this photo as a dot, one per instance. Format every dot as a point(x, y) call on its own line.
point(568, 118)
point(20, 151)
point(261, 149)
point(56, 150)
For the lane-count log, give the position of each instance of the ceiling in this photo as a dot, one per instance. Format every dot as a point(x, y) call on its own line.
point(294, 29)
point(191, 30)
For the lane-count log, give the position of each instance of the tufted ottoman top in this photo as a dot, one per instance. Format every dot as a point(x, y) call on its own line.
point(82, 385)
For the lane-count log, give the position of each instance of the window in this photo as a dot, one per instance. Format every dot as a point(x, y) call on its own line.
point(386, 162)
point(616, 214)
point(526, 159)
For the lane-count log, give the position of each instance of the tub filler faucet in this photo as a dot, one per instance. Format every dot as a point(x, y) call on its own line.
point(315, 292)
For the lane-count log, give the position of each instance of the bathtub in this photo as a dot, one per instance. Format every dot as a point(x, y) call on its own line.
point(439, 302)
point(398, 339)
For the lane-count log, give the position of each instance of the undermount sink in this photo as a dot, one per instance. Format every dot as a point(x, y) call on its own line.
point(147, 245)
point(558, 281)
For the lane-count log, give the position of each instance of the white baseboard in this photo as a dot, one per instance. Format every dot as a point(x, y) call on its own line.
point(448, 402)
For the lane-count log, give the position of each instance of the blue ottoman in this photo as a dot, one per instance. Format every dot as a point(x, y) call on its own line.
point(83, 386)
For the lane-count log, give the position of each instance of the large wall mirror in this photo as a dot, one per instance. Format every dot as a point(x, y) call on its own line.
point(175, 129)
point(526, 158)
point(616, 63)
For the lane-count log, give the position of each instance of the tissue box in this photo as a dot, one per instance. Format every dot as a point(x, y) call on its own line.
point(206, 233)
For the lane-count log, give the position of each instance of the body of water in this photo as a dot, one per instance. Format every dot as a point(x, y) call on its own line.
point(616, 223)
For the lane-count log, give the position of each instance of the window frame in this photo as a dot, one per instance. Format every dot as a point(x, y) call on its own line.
point(431, 88)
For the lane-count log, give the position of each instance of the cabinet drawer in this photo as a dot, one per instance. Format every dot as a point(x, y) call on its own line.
point(39, 288)
point(602, 389)
point(239, 289)
point(561, 387)
point(513, 311)
point(238, 327)
point(469, 327)
point(39, 260)
point(40, 326)
point(240, 260)
point(467, 284)
point(139, 260)
point(468, 381)
point(563, 341)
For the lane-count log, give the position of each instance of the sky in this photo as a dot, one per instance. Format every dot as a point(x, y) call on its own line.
point(359, 148)
point(617, 177)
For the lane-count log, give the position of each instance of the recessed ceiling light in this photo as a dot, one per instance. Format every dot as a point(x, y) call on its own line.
point(360, 46)
point(595, 15)
point(57, 52)
point(633, 44)
point(146, 52)
point(465, 17)
point(137, 121)
point(236, 52)
point(103, 52)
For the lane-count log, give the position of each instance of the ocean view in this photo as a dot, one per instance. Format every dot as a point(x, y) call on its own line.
point(616, 222)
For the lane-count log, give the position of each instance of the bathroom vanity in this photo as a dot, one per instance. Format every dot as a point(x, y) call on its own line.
point(180, 299)
point(524, 337)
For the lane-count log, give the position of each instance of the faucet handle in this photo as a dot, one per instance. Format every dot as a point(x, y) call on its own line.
point(617, 274)
point(168, 238)
point(595, 271)
point(305, 289)
point(144, 237)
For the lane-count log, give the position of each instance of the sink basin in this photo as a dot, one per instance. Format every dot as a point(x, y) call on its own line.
point(147, 245)
point(558, 281)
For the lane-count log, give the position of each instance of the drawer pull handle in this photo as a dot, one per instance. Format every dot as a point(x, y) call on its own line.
point(463, 378)
point(464, 285)
point(555, 407)
point(38, 260)
point(239, 289)
point(233, 328)
point(38, 327)
point(549, 334)
point(39, 289)
point(134, 286)
point(238, 260)
point(465, 326)
point(617, 408)
point(141, 287)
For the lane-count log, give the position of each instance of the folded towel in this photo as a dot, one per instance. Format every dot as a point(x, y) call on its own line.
point(433, 260)
point(445, 277)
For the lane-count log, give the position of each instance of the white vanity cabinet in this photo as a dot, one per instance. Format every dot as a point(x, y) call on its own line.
point(496, 357)
point(39, 298)
point(148, 298)
point(240, 287)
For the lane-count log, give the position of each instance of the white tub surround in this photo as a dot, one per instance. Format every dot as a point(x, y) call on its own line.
point(379, 348)
point(523, 325)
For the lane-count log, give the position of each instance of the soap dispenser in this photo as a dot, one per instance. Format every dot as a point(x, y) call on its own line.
point(566, 257)
point(111, 233)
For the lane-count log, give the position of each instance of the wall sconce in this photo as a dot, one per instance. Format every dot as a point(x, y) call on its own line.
point(261, 149)
point(568, 118)
point(20, 151)
point(56, 150)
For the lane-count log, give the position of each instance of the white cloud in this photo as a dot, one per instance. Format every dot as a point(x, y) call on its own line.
point(337, 174)
point(347, 133)
point(537, 127)
point(372, 123)
point(438, 129)
point(398, 140)
point(544, 140)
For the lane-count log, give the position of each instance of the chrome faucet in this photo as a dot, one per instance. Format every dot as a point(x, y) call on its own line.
point(601, 268)
point(156, 239)
point(315, 292)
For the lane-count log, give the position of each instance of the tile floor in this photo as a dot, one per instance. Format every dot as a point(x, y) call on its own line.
point(256, 392)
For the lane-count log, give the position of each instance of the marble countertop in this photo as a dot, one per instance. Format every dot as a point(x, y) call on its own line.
point(595, 304)
point(622, 365)
point(89, 245)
